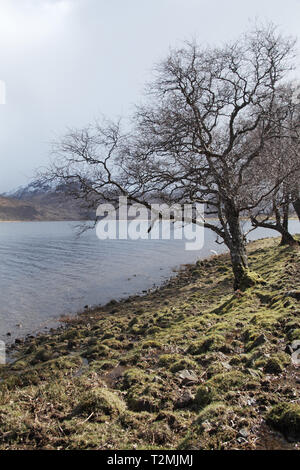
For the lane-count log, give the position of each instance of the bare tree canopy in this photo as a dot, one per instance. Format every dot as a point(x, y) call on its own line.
point(208, 116)
point(277, 168)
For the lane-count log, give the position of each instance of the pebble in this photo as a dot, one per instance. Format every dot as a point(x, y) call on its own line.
point(241, 440)
point(295, 345)
point(188, 376)
point(296, 358)
point(244, 433)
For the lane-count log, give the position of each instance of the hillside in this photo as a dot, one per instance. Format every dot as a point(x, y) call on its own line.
point(12, 209)
point(38, 202)
point(190, 366)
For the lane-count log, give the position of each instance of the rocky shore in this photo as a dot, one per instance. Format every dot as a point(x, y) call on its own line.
point(189, 366)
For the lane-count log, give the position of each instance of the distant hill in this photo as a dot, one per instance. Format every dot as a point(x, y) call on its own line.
point(38, 202)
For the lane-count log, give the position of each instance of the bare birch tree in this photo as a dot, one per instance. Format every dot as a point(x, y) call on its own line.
point(189, 141)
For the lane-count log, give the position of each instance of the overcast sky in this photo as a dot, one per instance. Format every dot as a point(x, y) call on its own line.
point(65, 62)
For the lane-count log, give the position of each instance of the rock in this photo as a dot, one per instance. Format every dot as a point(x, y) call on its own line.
point(296, 358)
point(251, 401)
point(244, 433)
point(186, 399)
point(188, 376)
point(226, 366)
point(254, 373)
point(288, 349)
point(241, 440)
point(206, 425)
point(295, 345)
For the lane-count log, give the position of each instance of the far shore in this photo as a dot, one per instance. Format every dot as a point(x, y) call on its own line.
point(63, 220)
point(293, 217)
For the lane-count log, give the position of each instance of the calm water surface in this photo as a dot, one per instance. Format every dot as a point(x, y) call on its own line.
point(46, 270)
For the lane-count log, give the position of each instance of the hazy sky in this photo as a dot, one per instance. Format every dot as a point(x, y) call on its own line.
point(65, 62)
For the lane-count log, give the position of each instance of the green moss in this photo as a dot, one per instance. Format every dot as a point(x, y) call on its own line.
point(205, 395)
point(151, 343)
point(105, 364)
point(42, 355)
point(73, 333)
point(113, 344)
point(164, 321)
point(134, 376)
point(157, 433)
point(100, 401)
point(174, 420)
point(253, 338)
point(250, 279)
point(97, 351)
point(153, 330)
point(214, 369)
point(214, 410)
point(275, 364)
point(13, 421)
point(229, 381)
point(138, 328)
point(144, 398)
point(167, 360)
point(19, 365)
point(213, 342)
point(183, 364)
point(295, 334)
point(286, 418)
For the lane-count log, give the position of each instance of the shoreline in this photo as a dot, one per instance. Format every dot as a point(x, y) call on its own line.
point(191, 365)
point(65, 320)
point(17, 334)
point(87, 220)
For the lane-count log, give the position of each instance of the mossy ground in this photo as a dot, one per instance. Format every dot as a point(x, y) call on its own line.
point(113, 378)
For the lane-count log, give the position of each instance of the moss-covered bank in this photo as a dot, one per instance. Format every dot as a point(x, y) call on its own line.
point(190, 366)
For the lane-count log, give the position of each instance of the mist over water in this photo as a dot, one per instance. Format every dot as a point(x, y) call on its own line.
point(47, 271)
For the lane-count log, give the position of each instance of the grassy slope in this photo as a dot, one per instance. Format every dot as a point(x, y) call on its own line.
point(112, 380)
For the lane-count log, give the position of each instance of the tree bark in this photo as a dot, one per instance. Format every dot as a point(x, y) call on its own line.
point(239, 261)
point(296, 200)
point(287, 238)
point(296, 205)
point(237, 247)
